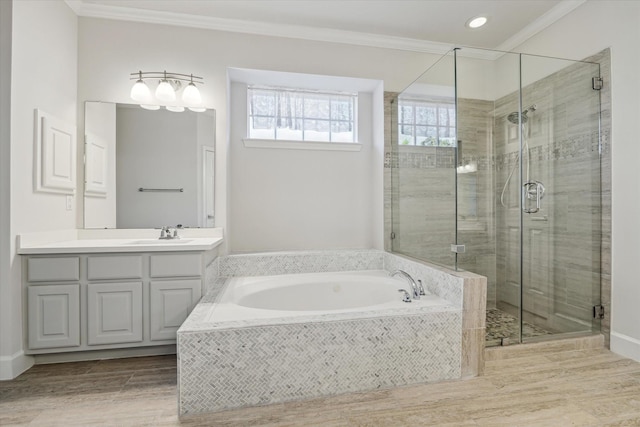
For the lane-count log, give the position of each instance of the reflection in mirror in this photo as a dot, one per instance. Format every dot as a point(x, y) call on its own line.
point(148, 169)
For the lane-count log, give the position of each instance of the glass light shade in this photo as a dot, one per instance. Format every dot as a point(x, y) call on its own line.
point(174, 108)
point(198, 109)
point(140, 92)
point(477, 22)
point(150, 107)
point(165, 92)
point(191, 94)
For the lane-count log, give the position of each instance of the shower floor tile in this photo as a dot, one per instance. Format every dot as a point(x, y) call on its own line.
point(503, 325)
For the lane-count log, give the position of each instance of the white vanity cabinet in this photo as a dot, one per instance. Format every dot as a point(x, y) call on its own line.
point(103, 301)
point(114, 313)
point(54, 318)
point(172, 300)
point(170, 303)
point(54, 299)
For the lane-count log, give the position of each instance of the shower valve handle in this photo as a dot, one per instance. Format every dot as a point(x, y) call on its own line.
point(529, 189)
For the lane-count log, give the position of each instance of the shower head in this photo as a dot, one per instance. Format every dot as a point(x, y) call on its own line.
point(513, 117)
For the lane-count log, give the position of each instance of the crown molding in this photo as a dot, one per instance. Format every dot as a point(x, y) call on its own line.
point(551, 16)
point(259, 28)
point(93, 10)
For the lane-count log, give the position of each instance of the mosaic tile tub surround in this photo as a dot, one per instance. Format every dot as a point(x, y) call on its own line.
point(224, 366)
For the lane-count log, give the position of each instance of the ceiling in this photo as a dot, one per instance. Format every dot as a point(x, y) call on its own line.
point(421, 25)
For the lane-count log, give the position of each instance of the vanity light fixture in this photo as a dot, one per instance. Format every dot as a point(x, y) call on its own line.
point(191, 94)
point(477, 22)
point(140, 91)
point(165, 93)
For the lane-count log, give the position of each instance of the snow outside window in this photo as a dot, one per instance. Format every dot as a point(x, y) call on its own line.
point(298, 115)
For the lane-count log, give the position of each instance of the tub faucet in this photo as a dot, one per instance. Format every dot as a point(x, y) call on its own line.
point(417, 289)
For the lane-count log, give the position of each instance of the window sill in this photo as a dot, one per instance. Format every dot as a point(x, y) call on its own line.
point(302, 145)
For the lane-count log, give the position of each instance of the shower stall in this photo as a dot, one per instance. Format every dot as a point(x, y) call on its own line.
point(494, 168)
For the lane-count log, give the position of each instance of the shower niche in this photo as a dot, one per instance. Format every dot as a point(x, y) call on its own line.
point(495, 169)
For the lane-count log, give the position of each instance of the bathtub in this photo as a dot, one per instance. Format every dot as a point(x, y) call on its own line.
point(271, 339)
point(336, 294)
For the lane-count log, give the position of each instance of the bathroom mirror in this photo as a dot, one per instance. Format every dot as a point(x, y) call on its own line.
point(148, 169)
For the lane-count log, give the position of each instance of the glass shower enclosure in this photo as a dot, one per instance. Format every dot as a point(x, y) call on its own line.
point(495, 169)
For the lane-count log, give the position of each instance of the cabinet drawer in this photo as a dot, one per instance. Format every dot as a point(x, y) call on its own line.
point(176, 265)
point(114, 267)
point(55, 269)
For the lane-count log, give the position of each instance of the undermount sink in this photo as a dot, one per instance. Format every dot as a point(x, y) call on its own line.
point(158, 242)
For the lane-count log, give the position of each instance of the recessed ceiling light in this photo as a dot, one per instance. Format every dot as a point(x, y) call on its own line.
point(477, 22)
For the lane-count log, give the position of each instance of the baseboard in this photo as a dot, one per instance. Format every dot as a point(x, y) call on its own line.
point(625, 345)
point(14, 365)
point(116, 353)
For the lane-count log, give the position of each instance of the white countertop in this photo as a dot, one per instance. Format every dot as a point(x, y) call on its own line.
point(111, 241)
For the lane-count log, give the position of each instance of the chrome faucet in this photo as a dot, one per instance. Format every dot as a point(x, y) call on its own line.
point(168, 233)
point(416, 287)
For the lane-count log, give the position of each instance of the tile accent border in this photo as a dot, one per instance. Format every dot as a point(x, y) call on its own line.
point(223, 367)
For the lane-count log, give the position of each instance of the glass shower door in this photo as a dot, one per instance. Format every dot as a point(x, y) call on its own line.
point(560, 197)
point(423, 178)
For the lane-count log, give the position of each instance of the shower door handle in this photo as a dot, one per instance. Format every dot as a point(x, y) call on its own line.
point(530, 190)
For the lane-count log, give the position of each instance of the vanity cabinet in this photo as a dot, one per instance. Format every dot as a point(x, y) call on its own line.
point(54, 316)
point(109, 301)
point(114, 313)
point(171, 301)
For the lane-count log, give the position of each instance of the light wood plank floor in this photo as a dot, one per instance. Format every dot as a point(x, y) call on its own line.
point(567, 388)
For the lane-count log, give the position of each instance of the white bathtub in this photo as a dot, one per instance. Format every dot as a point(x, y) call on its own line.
point(314, 294)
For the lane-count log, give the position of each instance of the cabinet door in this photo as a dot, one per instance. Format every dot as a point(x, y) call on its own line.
point(171, 303)
point(114, 313)
point(54, 316)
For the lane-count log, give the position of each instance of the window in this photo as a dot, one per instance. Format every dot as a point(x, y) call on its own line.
point(426, 123)
point(297, 115)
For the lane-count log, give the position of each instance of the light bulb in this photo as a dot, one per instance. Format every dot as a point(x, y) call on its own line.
point(165, 92)
point(477, 22)
point(150, 107)
point(175, 108)
point(191, 94)
point(198, 109)
point(140, 92)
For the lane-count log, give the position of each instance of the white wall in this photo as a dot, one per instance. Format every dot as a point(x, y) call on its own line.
point(590, 28)
point(43, 75)
point(283, 199)
point(126, 47)
point(7, 314)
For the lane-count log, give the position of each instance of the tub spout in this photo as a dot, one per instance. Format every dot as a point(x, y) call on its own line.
point(416, 290)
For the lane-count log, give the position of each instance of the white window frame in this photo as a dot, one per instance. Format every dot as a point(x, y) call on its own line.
point(302, 143)
point(438, 104)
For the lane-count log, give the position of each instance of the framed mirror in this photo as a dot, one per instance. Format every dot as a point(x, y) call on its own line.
point(148, 169)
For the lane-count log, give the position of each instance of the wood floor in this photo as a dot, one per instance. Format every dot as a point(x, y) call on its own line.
point(566, 388)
